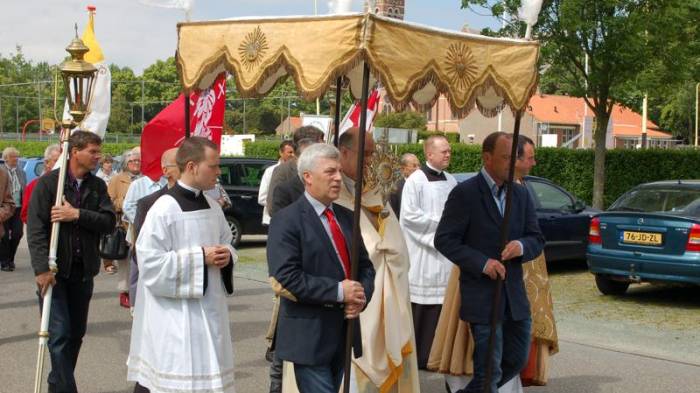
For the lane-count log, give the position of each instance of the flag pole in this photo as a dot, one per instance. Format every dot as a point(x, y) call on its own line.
point(505, 228)
point(186, 97)
point(53, 267)
point(355, 247)
point(336, 114)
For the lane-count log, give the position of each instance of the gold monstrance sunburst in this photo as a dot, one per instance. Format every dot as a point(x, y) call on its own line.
point(384, 171)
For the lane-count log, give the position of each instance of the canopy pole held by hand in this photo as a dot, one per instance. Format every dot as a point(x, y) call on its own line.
point(355, 247)
point(336, 114)
point(505, 228)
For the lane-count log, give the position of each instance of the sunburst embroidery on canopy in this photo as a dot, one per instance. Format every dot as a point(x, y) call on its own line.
point(253, 48)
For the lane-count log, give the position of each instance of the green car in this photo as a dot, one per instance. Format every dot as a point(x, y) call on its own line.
point(650, 234)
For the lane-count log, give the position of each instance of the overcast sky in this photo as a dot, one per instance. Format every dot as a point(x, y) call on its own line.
point(135, 35)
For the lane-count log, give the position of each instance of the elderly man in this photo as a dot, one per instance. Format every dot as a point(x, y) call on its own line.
point(118, 188)
point(51, 154)
point(14, 229)
point(286, 193)
point(286, 152)
point(469, 235)
point(7, 205)
point(172, 174)
point(409, 164)
point(308, 253)
point(422, 202)
point(388, 342)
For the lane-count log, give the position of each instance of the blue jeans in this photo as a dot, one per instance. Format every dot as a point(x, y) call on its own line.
point(67, 324)
point(511, 350)
point(321, 379)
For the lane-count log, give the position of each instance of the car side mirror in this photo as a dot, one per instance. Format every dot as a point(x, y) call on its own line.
point(578, 206)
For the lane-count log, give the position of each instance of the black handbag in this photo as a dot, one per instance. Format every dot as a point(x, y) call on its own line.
point(113, 245)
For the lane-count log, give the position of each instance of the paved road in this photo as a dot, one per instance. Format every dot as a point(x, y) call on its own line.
point(101, 368)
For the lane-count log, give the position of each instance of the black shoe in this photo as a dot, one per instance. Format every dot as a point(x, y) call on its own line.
point(12, 266)
point(5, 269)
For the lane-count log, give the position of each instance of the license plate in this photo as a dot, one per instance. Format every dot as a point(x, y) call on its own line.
point(645, 238)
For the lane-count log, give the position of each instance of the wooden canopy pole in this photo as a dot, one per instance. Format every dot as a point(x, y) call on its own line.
point(336, 114)
point(357, 210)
point(505, 228)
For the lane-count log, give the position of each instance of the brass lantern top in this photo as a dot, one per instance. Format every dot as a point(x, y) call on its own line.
point(77, 65)
point(78, 76)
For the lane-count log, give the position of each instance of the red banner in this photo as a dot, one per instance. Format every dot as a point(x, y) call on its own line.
point(167, 129)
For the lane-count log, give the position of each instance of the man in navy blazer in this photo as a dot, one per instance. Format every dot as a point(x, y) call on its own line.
point(469, 236)
point(308, 250)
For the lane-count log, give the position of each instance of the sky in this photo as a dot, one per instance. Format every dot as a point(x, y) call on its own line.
point(136, 35)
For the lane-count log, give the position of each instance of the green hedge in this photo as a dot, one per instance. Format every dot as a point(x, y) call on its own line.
point(452, 137)
point(36, 149)
point(571, 169)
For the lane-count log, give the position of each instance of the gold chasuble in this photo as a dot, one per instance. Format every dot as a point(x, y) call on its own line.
point(388, 362)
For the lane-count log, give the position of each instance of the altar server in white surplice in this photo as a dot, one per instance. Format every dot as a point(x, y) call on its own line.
point(422, 202)
point(180, 341)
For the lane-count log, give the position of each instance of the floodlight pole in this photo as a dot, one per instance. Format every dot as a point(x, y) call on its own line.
point(357, 210)
point(505, 228)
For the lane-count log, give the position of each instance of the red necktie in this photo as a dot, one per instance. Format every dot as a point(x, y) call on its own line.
point(339, 241)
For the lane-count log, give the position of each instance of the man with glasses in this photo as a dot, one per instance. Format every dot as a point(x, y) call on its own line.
point(118, 188)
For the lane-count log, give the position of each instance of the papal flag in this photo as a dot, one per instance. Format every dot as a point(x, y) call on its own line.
point(97, 119)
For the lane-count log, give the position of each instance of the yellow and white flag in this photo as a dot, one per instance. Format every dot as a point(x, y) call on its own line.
point(96, 120)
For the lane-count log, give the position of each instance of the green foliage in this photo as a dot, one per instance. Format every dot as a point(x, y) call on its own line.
point(571, 169)
point(262, 149)
point(452, 137)
point(407, 119)
point(36, 149)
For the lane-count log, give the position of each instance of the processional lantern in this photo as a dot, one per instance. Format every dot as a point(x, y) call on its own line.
point(78, 78)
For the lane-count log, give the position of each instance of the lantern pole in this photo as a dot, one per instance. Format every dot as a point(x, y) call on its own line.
point(80, 74)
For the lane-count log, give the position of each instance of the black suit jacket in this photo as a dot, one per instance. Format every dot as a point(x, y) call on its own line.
point(300, 255)
point(469, 234)
point(285, 194)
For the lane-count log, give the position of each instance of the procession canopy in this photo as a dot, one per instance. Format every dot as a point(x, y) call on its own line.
point(413, 63)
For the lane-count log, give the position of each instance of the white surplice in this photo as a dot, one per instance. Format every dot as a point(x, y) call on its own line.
point(180, 340)
point(422, 203)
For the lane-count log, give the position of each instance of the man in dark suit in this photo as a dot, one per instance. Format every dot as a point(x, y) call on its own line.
point(309, 255)
point(288, 170)
point(469, 235)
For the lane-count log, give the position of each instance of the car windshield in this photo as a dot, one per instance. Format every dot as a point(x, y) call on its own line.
point(667, 200)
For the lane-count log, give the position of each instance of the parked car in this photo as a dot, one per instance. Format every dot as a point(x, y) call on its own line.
point(33, 167)
point(240, 177)
point(651, 233)
point(563, 218)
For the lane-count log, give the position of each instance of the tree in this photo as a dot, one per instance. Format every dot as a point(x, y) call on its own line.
point(617, 36)
point(406, 119)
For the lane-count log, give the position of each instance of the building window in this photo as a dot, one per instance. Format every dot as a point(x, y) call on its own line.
point(429, 114)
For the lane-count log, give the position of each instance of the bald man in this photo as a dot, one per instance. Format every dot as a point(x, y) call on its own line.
point(170, 173)
point(422, 202)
